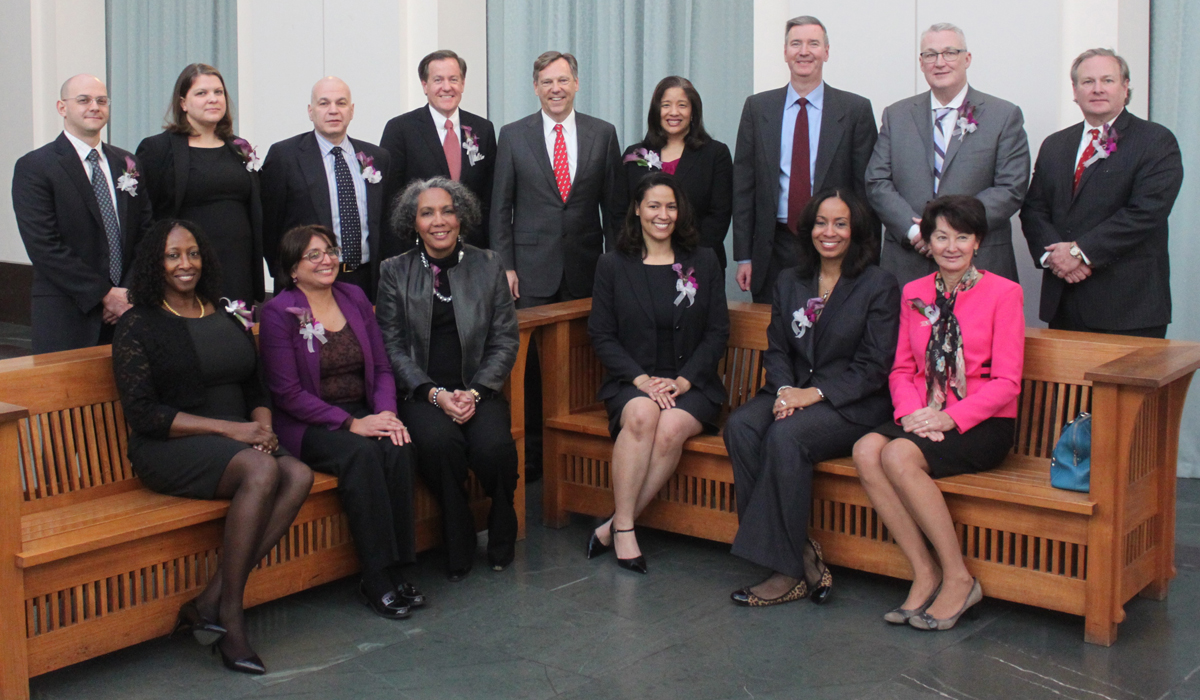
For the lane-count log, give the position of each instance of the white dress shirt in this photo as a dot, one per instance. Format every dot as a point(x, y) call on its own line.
point(570, 135)
point(439, 122)
point(949, 122)
point(83, 150)
point(791, 111)
point(360, 188)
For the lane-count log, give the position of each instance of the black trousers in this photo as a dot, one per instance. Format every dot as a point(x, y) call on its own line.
point(785, 253)
point(1068, 318)
point(533, 384)
point(361, 278)
point(375, 485)
point(772, 472)
point(445, 451)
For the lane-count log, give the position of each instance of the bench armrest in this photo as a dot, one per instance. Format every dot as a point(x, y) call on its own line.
point(1151, 367)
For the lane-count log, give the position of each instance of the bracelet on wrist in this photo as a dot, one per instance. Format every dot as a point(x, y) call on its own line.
point(781, 389)
point(475, 393)
point(434, 399)
point(820, 393)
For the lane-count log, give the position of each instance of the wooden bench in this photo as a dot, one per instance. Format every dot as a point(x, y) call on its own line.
point(91, 561)
point(1080, 553)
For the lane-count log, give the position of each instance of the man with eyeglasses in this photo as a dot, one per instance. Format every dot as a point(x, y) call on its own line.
point(952, 139)
point(81, 212)
point(326, 178)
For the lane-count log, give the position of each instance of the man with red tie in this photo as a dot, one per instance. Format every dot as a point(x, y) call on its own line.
point(1096, 213)
point(793, 141)
point(439, 139)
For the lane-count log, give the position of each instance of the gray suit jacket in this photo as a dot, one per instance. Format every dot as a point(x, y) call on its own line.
point(992, 164)
point(533, 230)
point(847, 137)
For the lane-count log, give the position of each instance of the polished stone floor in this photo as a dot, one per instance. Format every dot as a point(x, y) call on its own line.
point(557, 625)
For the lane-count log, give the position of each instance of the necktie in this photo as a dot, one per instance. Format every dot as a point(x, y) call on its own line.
point(1087, 154)
point(800, 182)
point(562, 166)
point(112, 229)
point(939, 145)
point(349, 223)
point(453, 155)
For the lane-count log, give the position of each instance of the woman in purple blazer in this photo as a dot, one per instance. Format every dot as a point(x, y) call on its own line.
point(335, 401)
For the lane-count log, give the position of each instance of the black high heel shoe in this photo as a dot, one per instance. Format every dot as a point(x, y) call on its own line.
point(205, 632)
point(251, 664)
point(820, 593)
point(597, 548)
point(638, 563)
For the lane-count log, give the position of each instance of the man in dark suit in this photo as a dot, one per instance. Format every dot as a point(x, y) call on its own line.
point(325, 177)
point(557, 200)
point(80, 217)
point(828, 134)
point(1096, 214)
point(422, 146)
point(950, 139)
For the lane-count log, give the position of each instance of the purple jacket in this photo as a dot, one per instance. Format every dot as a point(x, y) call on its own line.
point(294, 374)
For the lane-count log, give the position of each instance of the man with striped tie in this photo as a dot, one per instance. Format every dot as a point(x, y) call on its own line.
point(81, 217)
point(952, 139)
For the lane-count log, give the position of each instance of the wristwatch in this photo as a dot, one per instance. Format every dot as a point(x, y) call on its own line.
point(1075, 252)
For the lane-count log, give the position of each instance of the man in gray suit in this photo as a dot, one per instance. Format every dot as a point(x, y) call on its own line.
point(557, 172)
point(952, 139)
point(836, 132)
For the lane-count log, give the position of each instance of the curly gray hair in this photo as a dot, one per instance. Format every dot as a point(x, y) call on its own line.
point(466, 206)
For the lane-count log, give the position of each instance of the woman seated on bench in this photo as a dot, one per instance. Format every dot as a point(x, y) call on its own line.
point(335, 405)
point(829, 348)
point(659, 325)
point(187, 372)
point(450, 329)
point(954, 385)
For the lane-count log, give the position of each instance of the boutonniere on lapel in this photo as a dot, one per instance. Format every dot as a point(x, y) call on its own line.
point(1106, 145)
point(309, 328)
point(645, 158)
point(248, 153)
point(240, 311)
point(686, 285)
point(966, 120)
point(128, 181)
point(929, 311)
point(470, 144)
point(803, 319)
point(366, 165)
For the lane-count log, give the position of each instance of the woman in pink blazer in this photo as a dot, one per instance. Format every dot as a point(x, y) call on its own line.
point(954, 387)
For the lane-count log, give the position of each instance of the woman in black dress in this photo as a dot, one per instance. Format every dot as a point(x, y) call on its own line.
point(187, 372)
point(676, 143)
point(659, 325)
point(197, 170)
point(450, 329)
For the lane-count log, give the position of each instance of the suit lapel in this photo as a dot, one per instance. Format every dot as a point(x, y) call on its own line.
point(312, 360)
point(841, 291)
point(686, 161)
point(922, 116)
point(116, 166)
point(831, 135)
point(686, 262)
point(312, 166)
point(427, 131)
point(182, 158)
point(68, 158)
point(639, 281)
point(1121, 123)
point(974, 99)
point(536, 142)
point(374, 206)
point(584, 139)
point(805, 290)
point(772, 127)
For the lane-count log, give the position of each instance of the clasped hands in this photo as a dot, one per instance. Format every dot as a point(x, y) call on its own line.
point(792, 399)
point(662, 389)
point(459, 404)
point(115, 303)
point(258, 435)
point(1065, 266)
point(928, 423)
point(382, 424)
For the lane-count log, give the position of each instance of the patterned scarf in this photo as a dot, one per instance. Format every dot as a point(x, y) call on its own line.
point(945, 368)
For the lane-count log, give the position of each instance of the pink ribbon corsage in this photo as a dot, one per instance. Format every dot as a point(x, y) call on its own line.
point(238, 310)
point(309, 328)
point(686, 285)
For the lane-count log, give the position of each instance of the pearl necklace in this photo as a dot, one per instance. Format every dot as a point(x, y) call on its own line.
point(440, 297)
point(194, 299)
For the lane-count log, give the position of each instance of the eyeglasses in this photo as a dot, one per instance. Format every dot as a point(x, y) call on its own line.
point(85, 100)
point(314, 256)
point(950, 56)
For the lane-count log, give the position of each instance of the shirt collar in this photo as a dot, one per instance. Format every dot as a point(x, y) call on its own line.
point(548, 124)
point(82, 148)
point(954, 103)
point(816, 98)
point(326, 146)
point(439, 120)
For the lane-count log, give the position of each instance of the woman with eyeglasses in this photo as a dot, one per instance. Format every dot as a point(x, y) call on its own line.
point(335, 406)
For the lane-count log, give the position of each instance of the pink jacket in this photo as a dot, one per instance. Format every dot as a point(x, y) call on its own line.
point(992, 318)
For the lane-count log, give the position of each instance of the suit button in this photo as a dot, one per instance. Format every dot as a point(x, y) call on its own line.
point(678, 327)
point(681, 357)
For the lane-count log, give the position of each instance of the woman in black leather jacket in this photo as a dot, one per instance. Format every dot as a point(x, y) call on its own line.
point(450, 330)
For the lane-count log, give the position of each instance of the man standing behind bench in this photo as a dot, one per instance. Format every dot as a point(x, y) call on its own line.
point(80, 216)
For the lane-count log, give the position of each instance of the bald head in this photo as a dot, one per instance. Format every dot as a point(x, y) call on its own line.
point(83, 105)
point(84, 82)
point(330, 108)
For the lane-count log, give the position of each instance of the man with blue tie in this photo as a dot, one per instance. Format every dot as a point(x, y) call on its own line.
point(325, 177)
point(793, 141)
point(80, 217)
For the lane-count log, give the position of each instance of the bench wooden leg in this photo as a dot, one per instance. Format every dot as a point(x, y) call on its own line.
point(553, 513)
point(14, 660)
point(1157, 590)
point(1102, 632)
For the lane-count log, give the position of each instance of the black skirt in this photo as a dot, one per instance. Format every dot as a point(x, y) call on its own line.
point(979, 449)
point(694, 402)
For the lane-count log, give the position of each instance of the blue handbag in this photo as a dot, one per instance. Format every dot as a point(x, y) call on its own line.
point(1071, 462)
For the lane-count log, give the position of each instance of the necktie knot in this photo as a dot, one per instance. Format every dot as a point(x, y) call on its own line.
point(558, 128)
point(449, 125)
point(93, 157)
point(803, 102)
point(336, 151)
point(1095, 133)
point(941, 112)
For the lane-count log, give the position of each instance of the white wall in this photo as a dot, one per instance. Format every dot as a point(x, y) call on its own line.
point(1021, 51)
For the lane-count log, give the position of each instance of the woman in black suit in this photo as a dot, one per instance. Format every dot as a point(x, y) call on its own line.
point(830, 346)
point(659, 325)
point(677, 143)
point(199, 171)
